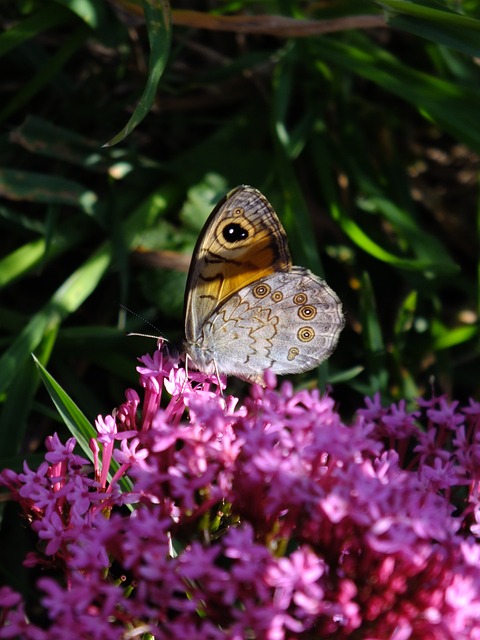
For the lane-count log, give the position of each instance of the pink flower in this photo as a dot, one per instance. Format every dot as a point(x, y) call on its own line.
point(446, 415)
point(296, 581)
point(208, 517)
point(35, 485)
point(130, 452)
point(127, 412)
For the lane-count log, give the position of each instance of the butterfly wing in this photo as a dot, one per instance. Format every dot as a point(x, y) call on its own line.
point(287, 321)
point(242, 241)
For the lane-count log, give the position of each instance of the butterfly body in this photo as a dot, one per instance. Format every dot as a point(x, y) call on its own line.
point(247, 308)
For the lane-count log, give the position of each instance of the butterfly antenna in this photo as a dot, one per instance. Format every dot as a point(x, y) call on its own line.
point(144, 335)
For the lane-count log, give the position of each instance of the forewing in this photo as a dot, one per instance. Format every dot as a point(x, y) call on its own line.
point(241, 242)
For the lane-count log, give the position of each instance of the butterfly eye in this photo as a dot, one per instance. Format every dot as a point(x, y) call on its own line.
point(234, 232)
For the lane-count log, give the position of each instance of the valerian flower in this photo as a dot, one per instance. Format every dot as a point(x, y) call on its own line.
point(207, 517)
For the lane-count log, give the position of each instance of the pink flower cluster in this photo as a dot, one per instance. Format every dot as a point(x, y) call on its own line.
point(271, 520)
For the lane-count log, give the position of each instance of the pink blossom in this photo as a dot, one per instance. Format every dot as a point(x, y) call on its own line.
point(446, 414)
point(35, 485)
point(210, 517)
point(295, 580)
point(127, 412)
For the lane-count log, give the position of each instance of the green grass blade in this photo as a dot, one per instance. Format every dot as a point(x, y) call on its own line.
point(43, 138)
point(46, 18)
point(453, 337)
point(47, 188)
point(75, 420)
point(432, 256)
point(345, 376)
point(77, 423)
point(66, 300)
point(18, 403)
point(91, 12)
point(373, 339)
point(404, 322)
point(441, 26)
point(76, 289)
point(158, 20)
point(428, 262)
point(29, 256)
point(453, 106)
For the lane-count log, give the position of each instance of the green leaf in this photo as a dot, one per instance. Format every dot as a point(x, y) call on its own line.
point(29, 27)
point(364, 242)
point(43, 138)
point(345, 376)
point(441, 26)
point(158, 20)
point(90, 11)
point(428, 260)
point(407, 387)
point(373, 339)
point(39, 187)
point(70, 295)
point(432, 256)
point(75, 420)
point(453, 106)
point(29, 256)
point(20, 397)
point(456, 336)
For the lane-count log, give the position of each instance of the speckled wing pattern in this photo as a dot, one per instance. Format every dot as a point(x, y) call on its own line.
point(246, 308)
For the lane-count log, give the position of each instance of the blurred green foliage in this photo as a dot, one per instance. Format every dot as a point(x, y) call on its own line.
point(123, 123)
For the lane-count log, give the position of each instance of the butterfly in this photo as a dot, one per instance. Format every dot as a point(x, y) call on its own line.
point(247, 309)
